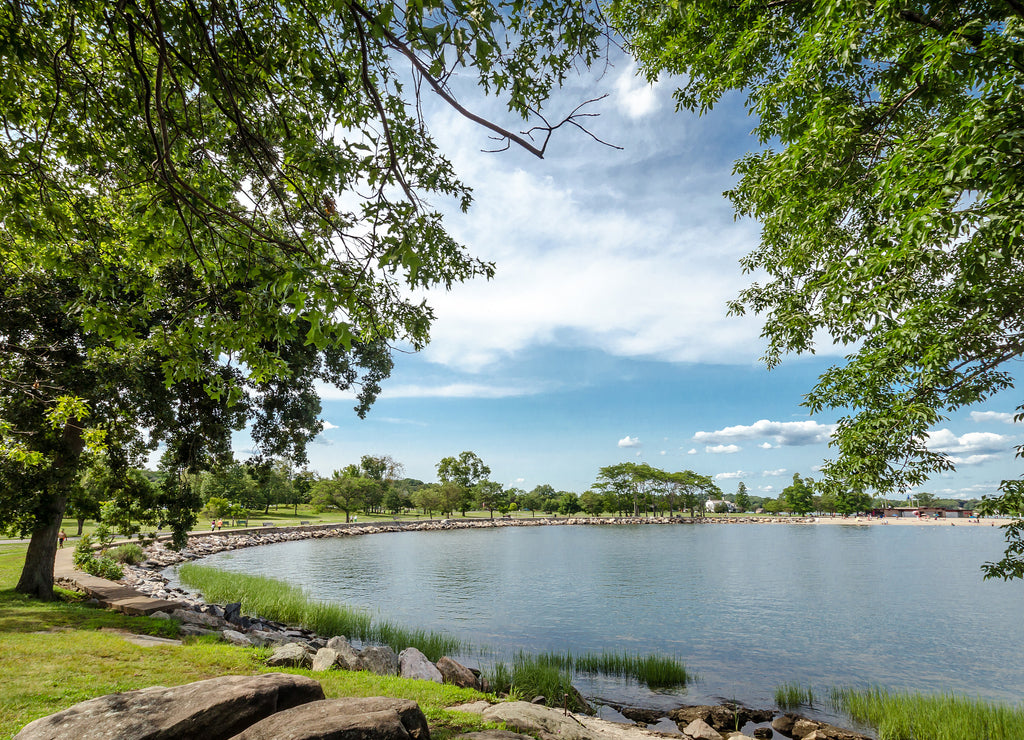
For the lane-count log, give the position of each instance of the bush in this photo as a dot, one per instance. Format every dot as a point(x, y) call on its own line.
point(130, 554)
point(102, 567)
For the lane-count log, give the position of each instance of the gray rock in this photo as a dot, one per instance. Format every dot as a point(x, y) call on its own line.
point(160, 615)
point(325, 659)
point(235, 638)
point(701, 730)
point(543, 722)
point(783, 724)
point(215, 709)
point(492, 735)
point(194, 630)
point(454, 672)
point(348, 656)
point(377, 717)
point(187, 616)
point(803, 727)
point(414, 664)
point(380, 660)
point(291, 655)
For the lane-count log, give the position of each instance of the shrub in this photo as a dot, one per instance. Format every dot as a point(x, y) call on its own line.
point(131, 554)
point(102, 567)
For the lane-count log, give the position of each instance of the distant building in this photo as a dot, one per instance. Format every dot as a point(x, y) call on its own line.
point(712, 503)
point(929, 512)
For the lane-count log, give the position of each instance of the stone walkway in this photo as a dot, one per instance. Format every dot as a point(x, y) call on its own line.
point(110, 595)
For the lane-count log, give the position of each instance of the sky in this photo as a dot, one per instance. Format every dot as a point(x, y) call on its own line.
point(604, 335)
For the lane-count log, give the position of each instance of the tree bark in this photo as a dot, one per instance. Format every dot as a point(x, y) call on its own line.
point(37, 573)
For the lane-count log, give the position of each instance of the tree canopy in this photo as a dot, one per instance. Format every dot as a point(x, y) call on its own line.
point(889, 191)
point(208, 208)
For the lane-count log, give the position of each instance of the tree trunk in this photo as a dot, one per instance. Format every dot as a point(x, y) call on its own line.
point(37, 574)
point(81, 525)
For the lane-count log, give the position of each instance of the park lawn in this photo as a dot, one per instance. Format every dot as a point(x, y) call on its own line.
point(56, 654)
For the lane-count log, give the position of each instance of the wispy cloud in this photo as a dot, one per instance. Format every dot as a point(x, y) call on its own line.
point(446, 390)
point(722, 449)
point(999, 416)
point(971, 444)
point(773, 473)
point(732, 476)
point(784, 433)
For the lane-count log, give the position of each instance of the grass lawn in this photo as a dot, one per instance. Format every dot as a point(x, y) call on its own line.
point(53, 655)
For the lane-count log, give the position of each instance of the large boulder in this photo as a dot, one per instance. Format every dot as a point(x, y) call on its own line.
point(414, 664)
point(543, 722)
point(214, 709)
point(348, 656)
point(454, 672)
point(324, 660)
point(291, 655)
point(357, 718)
point(379, 659)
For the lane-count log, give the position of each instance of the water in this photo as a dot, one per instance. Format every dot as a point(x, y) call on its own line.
point(747, 607)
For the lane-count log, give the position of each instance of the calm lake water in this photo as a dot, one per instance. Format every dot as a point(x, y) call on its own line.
point(747, 607)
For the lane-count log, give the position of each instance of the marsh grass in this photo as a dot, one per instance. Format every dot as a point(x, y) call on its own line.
point(792, 695)
point(901, 715)
point(530, 676)
point(283, 602)
point(656, 671)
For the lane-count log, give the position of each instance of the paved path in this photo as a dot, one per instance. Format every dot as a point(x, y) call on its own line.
point(111, 595)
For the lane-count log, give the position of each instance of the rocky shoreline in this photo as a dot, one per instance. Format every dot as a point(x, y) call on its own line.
point(299, 647)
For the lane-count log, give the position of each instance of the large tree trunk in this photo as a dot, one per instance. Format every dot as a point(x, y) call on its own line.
point(37, 573)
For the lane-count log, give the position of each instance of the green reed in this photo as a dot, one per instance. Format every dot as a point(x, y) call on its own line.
point(900, 715)
point(792, 695)
point(283, 602)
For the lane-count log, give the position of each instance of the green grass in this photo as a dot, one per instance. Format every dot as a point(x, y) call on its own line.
point(899, 715)
point(530, 676)
point(284, 602)
point(792, 695)
point(55, 654)
point(656, 671)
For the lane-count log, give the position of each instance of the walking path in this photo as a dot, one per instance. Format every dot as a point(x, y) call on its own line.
point(110, 595)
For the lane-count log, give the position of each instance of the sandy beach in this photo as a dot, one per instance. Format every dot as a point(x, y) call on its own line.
point(910, 521)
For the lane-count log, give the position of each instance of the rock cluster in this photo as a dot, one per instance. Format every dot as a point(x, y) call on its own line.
point(266, 707)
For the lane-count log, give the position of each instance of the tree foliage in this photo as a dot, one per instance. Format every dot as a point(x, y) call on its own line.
point(207, 208)
point(889, 192)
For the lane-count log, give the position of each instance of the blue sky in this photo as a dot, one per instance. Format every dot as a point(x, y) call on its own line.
point(604, 335)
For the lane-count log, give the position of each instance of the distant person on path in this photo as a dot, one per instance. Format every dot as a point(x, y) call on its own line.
point(61, 537)
point(220, 523)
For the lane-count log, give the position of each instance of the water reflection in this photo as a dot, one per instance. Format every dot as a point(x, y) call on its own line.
point(747, 607)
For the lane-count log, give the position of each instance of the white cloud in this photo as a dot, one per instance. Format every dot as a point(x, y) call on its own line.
point(972, 459)
point(1000, 416)
point(635, 97)
point(784, 433)
point(589, 252)
point(731, 476)
point(972, 443)
point(663, 452)
point(448, 390)
point(722, 449)
point(692, 451)
point(329, 426)
point(773, 473)
point(628, 441)
point(766, 446)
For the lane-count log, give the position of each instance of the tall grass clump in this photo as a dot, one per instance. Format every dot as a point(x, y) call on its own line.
point(656, 671)
point(792, 695)
point(283, 602)
point(129, 553)
point(899, 715)
point(530, 676)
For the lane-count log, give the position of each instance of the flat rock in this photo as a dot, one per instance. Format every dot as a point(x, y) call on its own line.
point(214, 709)
point(546, 723)
point(235, 638)
point(701, 730)
point(355, 718)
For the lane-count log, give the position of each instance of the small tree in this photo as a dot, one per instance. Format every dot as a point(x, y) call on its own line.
point(742, 497)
